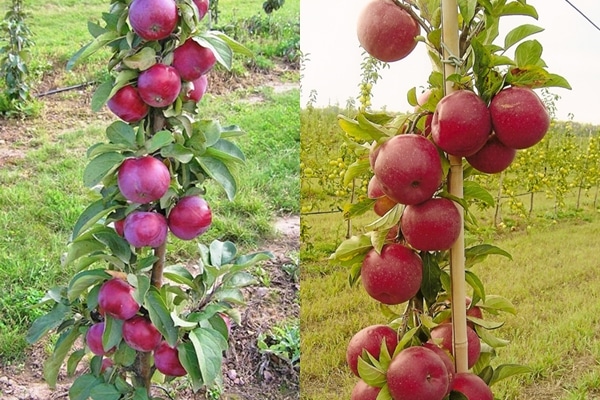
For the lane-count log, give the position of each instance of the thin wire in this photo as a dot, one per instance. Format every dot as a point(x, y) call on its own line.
point(584, 16)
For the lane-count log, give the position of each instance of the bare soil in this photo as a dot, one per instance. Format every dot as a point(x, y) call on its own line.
point(247, 374)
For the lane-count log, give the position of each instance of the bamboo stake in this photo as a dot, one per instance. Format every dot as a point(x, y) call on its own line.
point(455, 186)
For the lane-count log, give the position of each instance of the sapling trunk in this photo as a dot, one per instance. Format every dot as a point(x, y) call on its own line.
point(455, 187)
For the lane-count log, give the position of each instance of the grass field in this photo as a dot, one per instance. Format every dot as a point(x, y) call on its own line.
point(552, 281)
point(42, 194)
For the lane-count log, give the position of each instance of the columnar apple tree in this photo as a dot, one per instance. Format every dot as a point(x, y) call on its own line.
point(141, 319)
point(405, 256)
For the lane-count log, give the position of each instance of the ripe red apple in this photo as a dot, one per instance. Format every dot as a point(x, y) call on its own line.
point(119, 226)
point(374, 190)
point(93, 338)
point(128, 105)
point(446, 357)
point(140, 334)
point(417, 373)
point(143, 179)
point(153, 19)
point(519, 117)
point(493, 157)
point(394, 276)
point(422, 99)
point(433, 225)
point(373, 153)
point(442, 335)
point(409, 169)
point(146, 228)
point(363, 391)
point(192, 60)
point(370, 339)
point(386, 31)
point(202, 6)
point(461, 123)
point(159, 85)
point(471, 386)
point(190, 217)
point(106, 364)
point(115, 298)
point(166, 360)
point(197, 92)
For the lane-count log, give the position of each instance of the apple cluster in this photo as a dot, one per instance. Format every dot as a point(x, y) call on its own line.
point(115, 298)
point(425, 371)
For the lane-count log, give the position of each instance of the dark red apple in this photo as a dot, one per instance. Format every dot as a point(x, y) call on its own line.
point(363, 391)
point(493, 157)
point(461, 123)
point(128, 105)
point(106, 364)
point(446, 357)
point(166, 360)
point(519, 117)
point(140, 334)
point(145, 228)
point(409, 169)
point(417, 373)
point(394, 276)
point(197, 92)
point(202, 6)
point(93, 338)
point(159, 85)
point(471, 386)
point(192, 60)
point(143, 179)
point(370, 339)
point(442, 336)
point(190, 217)
point(374, 190)
point(115, 298)
point(386, 31)
point(153, 19)
point(119, 226)
point(433, 225)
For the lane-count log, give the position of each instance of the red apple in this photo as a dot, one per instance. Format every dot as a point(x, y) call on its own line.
point(442, 335)
point(461, 123)
point(93, 338)
point(373, 153)
point(166, 360)
point(386, 31)
point(196, 93)
point(192, 60)
point(363, 391)
point(115, 298)
point(140, 334)
point(472, 387)
point(190, 217)
point(433, 225)
point(202, 6)
point(394, 276)
point(159, 85)
point(119, 226)
point(106, 364)
point(369, 339)
point(493, 157)
point(417, 373)
point(446, 357)
point(153, 19)
point(143, 179)
point(383, 205)
point(128, 105)
point(421, 100)
point(519, 117)
point(409, 169)
point(374, 190)
point(145, 228)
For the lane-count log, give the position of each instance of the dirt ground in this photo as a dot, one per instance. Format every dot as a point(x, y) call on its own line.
point(247, 374)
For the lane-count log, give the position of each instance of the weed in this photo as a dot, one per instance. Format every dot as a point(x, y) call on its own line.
point(282, 341)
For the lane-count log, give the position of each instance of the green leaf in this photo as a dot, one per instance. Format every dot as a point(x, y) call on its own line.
point(124, 355)
point(113, 332)
point(179, 274)
point(235, 46)
point(352, 210)
point(121, 133)
point(209, 345)
point(117, 245)
point(507, 370)
point(101, 166)
point(190, 361)
point(519, 8)
point(219, 47)
point(82, 387)
point(431, 284)
point(369, 373)
point(218, 171)
point(474, 281)
point(495, 303)
point(519, 33)
point(354, 246)
point(360, 167)
point(221, 253)
point(74, 360)
point(160, 316)
point(63, 346)
point(226, 151)
point(490, 339)
point(467, 9)
point(528, 53)
point(159, 140)
point(101, 95)
point(84, 280)
point(248, 260)
point(405, 340)
point(90, 216)
point(178, 152)
point(474, 191)
point(142, 60)
point(92, 47)
point(105, 391)
point(47, 322)
point(360, 132)
point(124, 77)
point(391, 218)
point(478, 253)
point(81, 248)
